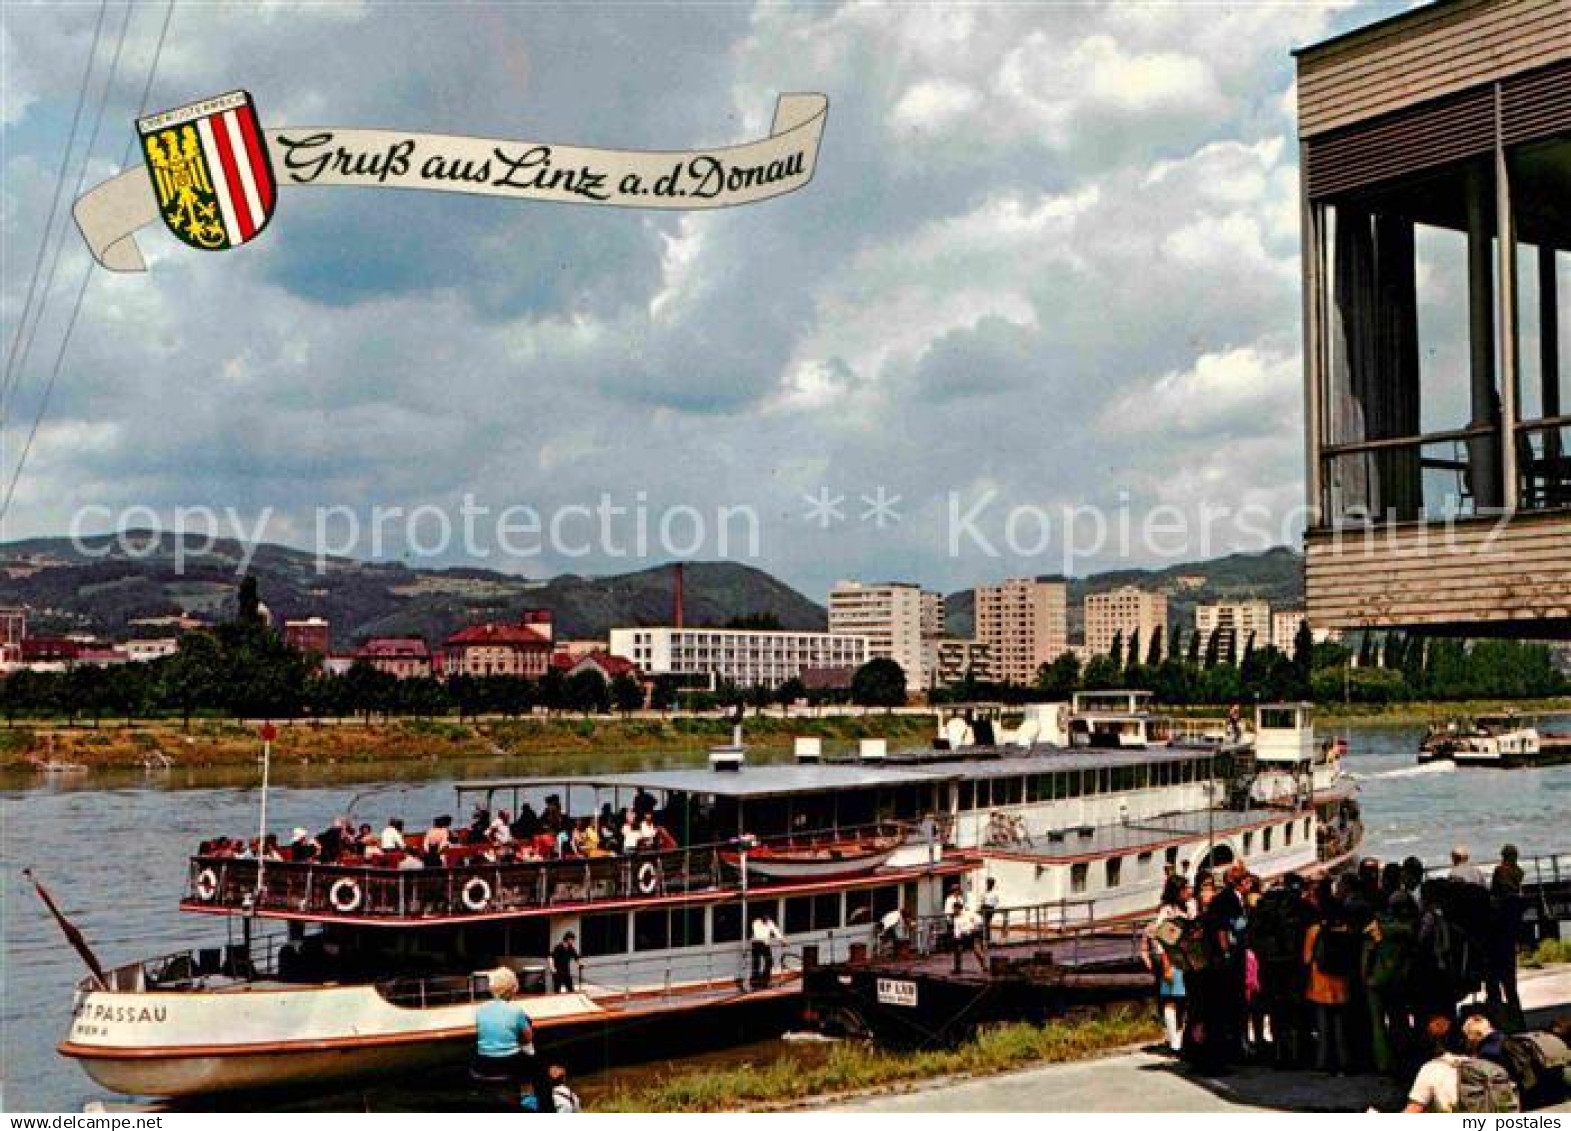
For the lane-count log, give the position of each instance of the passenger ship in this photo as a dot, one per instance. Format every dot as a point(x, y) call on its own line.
point(1078, 814)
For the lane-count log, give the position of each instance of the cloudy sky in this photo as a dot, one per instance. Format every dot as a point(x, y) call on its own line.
point(1049, 261)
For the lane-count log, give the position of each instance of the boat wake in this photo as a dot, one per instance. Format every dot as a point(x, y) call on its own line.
point(1409, 771)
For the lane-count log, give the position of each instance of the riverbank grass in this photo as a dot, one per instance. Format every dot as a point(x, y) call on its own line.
point(857, 1067)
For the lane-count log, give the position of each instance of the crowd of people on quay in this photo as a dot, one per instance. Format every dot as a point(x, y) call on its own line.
point(530, 835)
point(1370, 971)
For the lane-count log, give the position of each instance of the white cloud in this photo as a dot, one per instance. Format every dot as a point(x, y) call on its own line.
point(1031, 223)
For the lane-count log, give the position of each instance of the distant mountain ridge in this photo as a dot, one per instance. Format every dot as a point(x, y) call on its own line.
point(69, 589)
point(93, 585)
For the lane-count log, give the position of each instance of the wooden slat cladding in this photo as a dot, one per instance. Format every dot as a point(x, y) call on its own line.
point(1434, 52)
point(1475, 574)
point(1423, 137)
point(1536, 105)
point(1532, 106)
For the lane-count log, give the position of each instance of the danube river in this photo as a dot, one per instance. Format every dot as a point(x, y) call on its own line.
point(113, 851)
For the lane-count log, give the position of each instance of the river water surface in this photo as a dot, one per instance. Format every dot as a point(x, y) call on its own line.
point(113, 851)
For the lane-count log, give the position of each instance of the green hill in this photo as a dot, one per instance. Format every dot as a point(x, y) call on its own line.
point(97, 587)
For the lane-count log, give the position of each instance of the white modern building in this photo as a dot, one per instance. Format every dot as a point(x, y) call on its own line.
point(1284, 629)
point(948, 660)
point(889, 615)
point(748, 657)
point(1238, 621)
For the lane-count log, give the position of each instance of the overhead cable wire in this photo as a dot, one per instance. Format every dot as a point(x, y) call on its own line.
point(76, 308)
point(81, 179)
point(54, 205)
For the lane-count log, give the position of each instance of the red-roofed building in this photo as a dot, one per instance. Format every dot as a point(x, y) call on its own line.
point(407, 657)
point(500, 649)
point(607, 665)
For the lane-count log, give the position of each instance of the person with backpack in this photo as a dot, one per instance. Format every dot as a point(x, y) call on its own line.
point(1435, 980)
point(1165, 932)
point(1451, 1082)
point(1202, 953)
point(1276, 937)
point(1537, 1062)
point(1331, 949)
point(1389, 942)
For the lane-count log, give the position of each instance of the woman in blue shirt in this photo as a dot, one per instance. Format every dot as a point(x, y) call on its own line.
point(504, 1036)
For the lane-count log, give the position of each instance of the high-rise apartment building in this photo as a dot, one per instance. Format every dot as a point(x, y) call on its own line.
point(889, 615)
point(1121, 613)
point(1025, 623)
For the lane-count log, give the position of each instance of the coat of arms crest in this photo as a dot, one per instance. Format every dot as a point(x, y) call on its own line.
point(210, 170)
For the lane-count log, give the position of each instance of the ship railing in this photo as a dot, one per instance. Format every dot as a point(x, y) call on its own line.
point(1187, 731)
point(380, 892)
point(1544, 870)
point(721, 970)
point(184, 969)
point(1024, 924)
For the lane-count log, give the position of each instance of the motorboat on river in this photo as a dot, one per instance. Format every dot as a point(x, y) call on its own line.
point(1501, 741)
point(355, 967)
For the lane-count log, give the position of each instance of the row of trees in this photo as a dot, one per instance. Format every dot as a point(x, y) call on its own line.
point(1387, 668)
point(244, 669)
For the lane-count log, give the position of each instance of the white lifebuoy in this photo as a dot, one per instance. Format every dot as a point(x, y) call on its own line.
point(345, 896)
point(477, 894)
point(648, 878)
point(207, 885)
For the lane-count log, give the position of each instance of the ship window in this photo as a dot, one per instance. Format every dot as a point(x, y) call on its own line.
point(1077, 877)
point(1287, 834)
point(798, 915)
point(758, 907)
point(826, 911)
point(687, 926)
point(1265, 839)
point(1249, 843)
point(1306, 828)
point(1115, 870)
point(967, 795)
point(1014, 789)
point(1104, 780)
point(1142, 777)
point(726, 923)
point(1171, 855)
point(603, 934)
point(1076, 783)
point(1042, 787)
point(652, 929)
point(885, 900)
point(859, 907)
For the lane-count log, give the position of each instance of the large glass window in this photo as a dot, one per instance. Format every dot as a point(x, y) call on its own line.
point(1413, 392)
point(726, 923)
point(603, 934)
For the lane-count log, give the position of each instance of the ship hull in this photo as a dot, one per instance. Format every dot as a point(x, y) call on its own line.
point(346, 1046)
point(191, 1073)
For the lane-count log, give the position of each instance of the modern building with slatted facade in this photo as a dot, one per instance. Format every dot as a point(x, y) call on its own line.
point(1436, 194)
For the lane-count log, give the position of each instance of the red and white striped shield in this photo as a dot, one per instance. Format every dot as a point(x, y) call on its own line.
point(210, 171)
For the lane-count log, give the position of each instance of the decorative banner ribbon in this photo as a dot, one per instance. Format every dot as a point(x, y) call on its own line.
point(110, 214)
